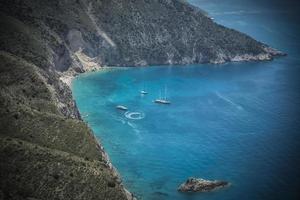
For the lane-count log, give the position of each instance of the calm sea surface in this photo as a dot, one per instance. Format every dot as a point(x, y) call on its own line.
point(238, 122)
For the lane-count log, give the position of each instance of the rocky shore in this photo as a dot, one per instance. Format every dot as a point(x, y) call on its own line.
point(46, 150)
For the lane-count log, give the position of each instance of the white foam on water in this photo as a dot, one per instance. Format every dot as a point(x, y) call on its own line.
point(229, 101)
point(85, 115)
point(134, 115)
point(119, 119)
point(134, 127)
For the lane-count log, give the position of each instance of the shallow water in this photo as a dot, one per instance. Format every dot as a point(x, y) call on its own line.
point(238, 122)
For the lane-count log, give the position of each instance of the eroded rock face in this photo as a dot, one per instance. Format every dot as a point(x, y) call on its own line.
point(126, 33)
point(201, 185)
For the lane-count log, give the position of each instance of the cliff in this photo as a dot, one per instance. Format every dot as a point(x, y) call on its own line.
point(47, 151)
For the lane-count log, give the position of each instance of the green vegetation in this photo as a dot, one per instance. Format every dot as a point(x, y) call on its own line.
point(35, 172)
point(43, 154)
point(46, 150)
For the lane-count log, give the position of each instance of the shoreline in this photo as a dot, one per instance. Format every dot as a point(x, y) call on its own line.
point(68, 76)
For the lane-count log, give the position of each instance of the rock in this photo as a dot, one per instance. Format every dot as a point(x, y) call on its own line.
point(201, 185)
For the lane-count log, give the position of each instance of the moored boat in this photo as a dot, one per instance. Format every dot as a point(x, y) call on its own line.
point(120, 107)
point(161, 100)
point(143, 92)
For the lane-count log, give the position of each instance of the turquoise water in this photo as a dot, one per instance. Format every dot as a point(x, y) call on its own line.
point(238, 122)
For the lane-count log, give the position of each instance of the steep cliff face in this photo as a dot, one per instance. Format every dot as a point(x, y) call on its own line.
point(130, 33)
point(167, 32)
point(46, 151)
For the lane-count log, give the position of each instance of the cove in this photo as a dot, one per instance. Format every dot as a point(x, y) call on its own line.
point(238, 122)
point(234, 122)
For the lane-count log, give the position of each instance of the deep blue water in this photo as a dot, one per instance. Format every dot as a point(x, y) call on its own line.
point(238, 122)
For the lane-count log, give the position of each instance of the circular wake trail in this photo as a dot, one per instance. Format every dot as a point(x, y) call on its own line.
point(134, 115)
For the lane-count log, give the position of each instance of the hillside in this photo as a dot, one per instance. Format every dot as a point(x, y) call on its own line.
point(46, 150)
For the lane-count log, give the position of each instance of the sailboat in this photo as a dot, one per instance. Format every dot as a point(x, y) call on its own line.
point(161, 100)
point(143, 91)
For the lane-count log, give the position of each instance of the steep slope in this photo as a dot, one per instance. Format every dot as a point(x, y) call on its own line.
point(132, 32)
point(46, 151)
point(45, 154)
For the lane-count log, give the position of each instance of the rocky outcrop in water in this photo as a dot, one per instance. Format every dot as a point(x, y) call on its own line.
point(201, 185)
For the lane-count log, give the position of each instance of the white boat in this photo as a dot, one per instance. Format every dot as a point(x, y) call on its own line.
point(144, 92)
point(161, 100)
point(120, 107)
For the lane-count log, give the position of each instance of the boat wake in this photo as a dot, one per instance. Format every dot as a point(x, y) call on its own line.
point(229, 101)
point(134, 127)
point(120, 119)
point(134, 115)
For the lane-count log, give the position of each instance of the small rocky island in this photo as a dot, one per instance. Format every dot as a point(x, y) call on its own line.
point(201, 185)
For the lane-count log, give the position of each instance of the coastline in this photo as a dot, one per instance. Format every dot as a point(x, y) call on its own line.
point(46, 47)
point(68, 76)
point(270, 54)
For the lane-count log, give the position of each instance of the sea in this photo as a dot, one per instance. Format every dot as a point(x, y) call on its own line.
point(238, 122)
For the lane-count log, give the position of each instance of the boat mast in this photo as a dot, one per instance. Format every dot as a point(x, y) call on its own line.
point(165, 93)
